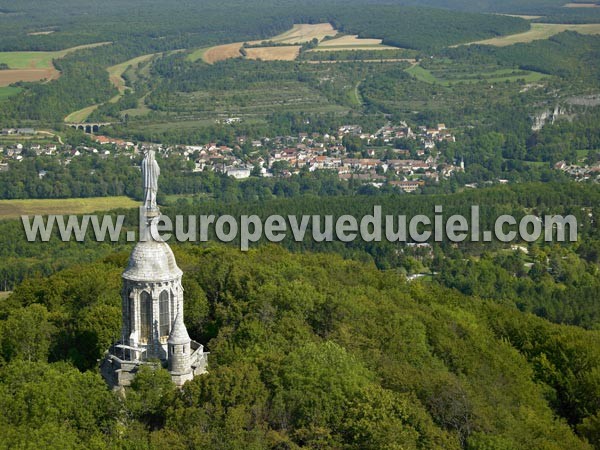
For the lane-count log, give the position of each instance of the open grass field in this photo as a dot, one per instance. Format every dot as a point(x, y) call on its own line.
point(13, 209)
point(581, 5)
point(540, 31)
point(34, 66)
point(8, 91)
point(81, 115)
point(116, 72)
point(4, 294)
point(422, 74)
point(197, 54)
point(303, 32)
point(493, 76)
point(286, 53)
point(39, 60)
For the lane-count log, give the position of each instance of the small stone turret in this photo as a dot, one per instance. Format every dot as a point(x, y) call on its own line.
point(179, 348)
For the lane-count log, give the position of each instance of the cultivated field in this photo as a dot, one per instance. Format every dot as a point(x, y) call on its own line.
point(581, 5)
point(8, 77)
point(287, 53)
point(351, 42)
point(13, 209)
point(34, 66)
point(540, 31)
point(303, 32)
point(222, 52)
point(299, 34)
point(253, 101)
point(40, 137)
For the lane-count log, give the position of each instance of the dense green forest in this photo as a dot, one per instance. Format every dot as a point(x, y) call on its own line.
point(307, 351)
point(438, 28)
point(552, 10)
point(314, 345)
point(567, 55)
point(204, 23)
point(557, 282)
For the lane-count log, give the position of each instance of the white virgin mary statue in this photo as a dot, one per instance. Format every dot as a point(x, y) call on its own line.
point(150, 173)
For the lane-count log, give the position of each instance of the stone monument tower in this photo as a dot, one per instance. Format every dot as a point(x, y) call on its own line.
point(153, 331)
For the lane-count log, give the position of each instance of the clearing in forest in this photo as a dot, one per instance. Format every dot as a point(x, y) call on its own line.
point(116, 72)
point(450, 77)
point(14, 209)
point(9, 91)
point(34, 66)
point(540, 31)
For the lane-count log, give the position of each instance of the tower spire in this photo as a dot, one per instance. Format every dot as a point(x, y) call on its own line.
point(152, 305)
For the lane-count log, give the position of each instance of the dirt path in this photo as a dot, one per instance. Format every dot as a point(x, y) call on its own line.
point(409, 60)
point(48, 133)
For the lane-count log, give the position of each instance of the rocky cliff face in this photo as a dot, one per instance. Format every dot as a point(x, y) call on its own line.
point(548, 116)
point(567, 109)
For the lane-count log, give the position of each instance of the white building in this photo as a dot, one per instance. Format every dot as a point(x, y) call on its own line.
point(153, 330)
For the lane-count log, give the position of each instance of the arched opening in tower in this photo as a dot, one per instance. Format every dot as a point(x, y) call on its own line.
point(164, 313)
point(145, 317)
